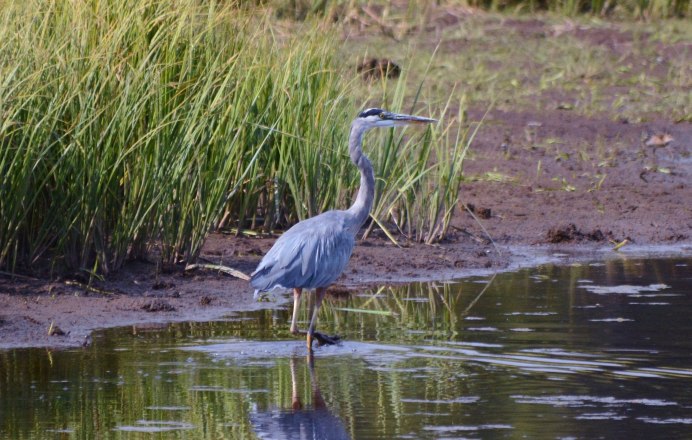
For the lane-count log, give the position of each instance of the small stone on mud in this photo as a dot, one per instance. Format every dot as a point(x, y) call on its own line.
point(484, 213)
point(206, 300)
point(162, 285)
point(659, 140)
point(570, 233)
point(375, 68)
point(677, 237)
point(157, 305)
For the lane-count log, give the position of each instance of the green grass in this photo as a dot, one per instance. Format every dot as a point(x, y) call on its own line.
point(130, 129)
point(118, 130)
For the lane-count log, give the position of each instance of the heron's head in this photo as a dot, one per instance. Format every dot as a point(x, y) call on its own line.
point(376, 117)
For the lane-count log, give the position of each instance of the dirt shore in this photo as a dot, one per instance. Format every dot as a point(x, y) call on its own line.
point(541, 182)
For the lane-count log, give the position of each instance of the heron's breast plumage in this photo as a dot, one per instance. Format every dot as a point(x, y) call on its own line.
point(311, 254)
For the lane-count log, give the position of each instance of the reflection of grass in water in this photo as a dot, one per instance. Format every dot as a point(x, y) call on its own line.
point(100, 390)
point(437, 311)
point(409, 313)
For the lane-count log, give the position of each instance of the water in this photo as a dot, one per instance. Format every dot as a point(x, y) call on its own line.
point(590, 351)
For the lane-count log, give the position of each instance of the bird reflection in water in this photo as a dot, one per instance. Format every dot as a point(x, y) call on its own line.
point(300, 422)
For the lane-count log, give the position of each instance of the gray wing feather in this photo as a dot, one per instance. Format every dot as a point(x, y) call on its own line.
point(311, 254)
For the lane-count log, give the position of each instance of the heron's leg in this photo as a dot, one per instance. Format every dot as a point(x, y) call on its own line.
point(319, 296)
point(296, 302)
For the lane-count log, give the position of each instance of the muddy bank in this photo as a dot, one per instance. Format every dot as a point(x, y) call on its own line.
point(138, 296)
point(141, 299)
point(557, 184)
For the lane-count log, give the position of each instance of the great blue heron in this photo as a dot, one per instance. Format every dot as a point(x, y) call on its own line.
point(314, 252)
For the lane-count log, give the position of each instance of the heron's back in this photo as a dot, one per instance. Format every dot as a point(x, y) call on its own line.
point(311, 254)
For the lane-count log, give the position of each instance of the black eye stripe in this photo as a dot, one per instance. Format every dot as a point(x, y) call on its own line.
point(370, 112)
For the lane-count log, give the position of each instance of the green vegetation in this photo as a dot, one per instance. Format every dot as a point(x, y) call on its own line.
point(132, 128)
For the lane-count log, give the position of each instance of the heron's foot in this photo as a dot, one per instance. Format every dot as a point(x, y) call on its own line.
point(295, 331)
point(326, 340)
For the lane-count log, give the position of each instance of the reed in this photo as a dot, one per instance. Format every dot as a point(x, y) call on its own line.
point(127, 128)
point(130, 129)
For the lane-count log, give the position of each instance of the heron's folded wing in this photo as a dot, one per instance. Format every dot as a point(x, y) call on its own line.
point(311, 254)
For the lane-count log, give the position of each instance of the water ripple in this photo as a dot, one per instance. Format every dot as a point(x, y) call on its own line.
point(585, 401)
point(155, 426)
point(682, 421)
point(463, 399)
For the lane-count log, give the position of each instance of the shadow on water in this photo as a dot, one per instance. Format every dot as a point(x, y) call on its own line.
point(596, 350)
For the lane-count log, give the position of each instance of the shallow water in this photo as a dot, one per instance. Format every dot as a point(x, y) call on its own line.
point(599, 350)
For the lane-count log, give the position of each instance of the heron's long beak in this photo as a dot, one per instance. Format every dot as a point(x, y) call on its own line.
point(401, 119)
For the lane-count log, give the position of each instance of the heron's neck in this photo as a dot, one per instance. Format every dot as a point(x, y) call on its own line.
point(366, 193)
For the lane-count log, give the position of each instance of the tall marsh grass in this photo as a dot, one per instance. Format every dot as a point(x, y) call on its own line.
point(131, 128)
point(127, 125)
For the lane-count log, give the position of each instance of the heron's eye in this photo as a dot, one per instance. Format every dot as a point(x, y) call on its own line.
point(381, 115)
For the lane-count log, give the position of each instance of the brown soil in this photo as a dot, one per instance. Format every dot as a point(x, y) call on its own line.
point(635, 200)
point(567, 204)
